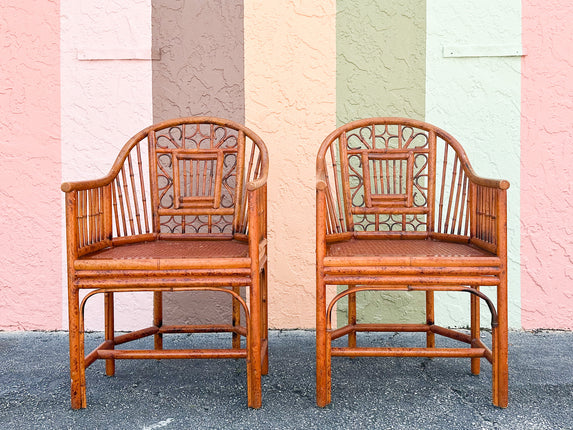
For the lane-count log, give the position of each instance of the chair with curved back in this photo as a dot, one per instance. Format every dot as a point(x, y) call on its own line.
point(182, 209)
point(399, 208)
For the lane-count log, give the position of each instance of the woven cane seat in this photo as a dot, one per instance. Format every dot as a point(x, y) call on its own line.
point(403, 248)
point(170, 249)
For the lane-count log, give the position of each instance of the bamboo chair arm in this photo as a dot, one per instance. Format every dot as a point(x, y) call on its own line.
point(262, 179)
point(88, 218)
point(89, 184)
point(500, 184)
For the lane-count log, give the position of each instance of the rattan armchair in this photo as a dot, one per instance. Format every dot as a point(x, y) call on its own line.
point(182, 209)
point(399, 208)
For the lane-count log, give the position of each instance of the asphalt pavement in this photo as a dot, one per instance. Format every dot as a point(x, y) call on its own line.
point(367, 393)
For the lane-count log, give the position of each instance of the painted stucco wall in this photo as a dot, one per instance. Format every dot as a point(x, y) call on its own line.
point(477, 100)
point(380, 71)
point(290, 64)
point(546, 160)
point(106, 98)
point(76, 83)
point(199, 72)
point(30, 221)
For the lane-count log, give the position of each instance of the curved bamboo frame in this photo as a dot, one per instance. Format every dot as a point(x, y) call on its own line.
point(465, 209)
point(122, 210)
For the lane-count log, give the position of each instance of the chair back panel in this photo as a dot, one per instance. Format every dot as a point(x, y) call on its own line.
point(186, 176)
point(196, 166)
point(393, 175)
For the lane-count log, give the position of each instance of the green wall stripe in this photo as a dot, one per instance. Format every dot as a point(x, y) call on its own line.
point(381, 71)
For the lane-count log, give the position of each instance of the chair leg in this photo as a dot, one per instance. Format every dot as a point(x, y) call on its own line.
point(501, 364)
point(77, 370)
point(236, 318)
point(254, 347)
point(351, 319)
point(109, 331)
point(430, 336)
point(265, 321)
point(322, 350)
point(475, 329)
point(158, 318)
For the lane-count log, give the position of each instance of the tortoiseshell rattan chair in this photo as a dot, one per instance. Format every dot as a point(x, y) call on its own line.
point(399, 208)
point(183, 208)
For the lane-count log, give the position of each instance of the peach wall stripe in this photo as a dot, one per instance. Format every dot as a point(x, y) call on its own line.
point(290, 101)
point(547, 160)
point(30, 225)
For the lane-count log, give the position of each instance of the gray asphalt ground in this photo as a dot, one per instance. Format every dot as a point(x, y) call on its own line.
point(369, 393)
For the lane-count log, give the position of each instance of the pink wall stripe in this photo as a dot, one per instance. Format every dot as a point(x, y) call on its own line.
point(546, 164)
point(30, 221)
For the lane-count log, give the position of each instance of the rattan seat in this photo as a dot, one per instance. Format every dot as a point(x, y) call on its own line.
point(173, 249)
point(406, 248)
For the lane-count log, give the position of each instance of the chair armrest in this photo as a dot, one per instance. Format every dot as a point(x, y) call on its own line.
point(500, 184)
point(488, 214)
point(88, 216)
point(87, 184)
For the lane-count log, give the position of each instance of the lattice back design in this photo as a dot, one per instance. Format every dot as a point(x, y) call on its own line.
point(388, 177)
point(201, 173)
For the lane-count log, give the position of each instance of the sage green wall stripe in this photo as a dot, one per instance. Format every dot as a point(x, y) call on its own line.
point(380, 58)
point(381, 71)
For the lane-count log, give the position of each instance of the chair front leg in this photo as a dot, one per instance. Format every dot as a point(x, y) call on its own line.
point(254, 347)
point(475, 329)
point(322, 347)
point(265, 320)
point(501, 365)
point(77, 369)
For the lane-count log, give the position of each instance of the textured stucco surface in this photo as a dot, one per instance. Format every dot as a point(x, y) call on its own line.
point(380, 71)
point(546, 160)
point(477, 99)
point(290, 63)
point(104, 103)
point(200, 72)
point(30, 225)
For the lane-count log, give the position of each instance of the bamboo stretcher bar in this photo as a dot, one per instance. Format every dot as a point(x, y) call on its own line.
point(389, 210)
point(456, 238)
point(94, 247)
point(350, 328)
point(342, 331)
point(195, 236)
point(172, 354)
point(203, 328)
point(477, 343)
point(163, 282)
point(162, 273)
point(484, 245)
point(397, 270)
point(93, 356)
point(411, 280)
point(452, 334)
point(407, 352)
point(377, 235)
point(124, 240)
point(412, 261)
point(134, 335)
point(162, 264)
